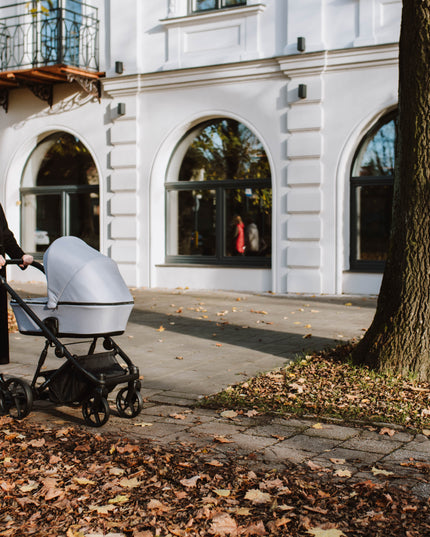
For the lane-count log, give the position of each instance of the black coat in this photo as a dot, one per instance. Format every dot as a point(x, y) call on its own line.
point(8, 246)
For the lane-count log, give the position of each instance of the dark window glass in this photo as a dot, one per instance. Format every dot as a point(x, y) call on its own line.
point(60, 194)
point(220, 205)
point(194, 230)
point(371, 196)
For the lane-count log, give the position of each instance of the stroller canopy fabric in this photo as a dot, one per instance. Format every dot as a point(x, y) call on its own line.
point(79, 274)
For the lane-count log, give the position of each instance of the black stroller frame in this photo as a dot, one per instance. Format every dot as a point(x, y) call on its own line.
point(80, 380)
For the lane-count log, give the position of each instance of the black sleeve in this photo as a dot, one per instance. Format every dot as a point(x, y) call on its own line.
point(7, 239)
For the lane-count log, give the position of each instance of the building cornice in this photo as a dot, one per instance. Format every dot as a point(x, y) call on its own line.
point(309, 64)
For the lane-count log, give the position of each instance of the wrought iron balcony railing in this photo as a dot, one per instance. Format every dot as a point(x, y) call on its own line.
point(44, 42)
point(64, 33)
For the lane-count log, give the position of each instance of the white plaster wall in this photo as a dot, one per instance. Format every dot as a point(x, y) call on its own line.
point(169, 85)
point(28, 121)
point(169, 114)
point(355, 98)
point(261, 29)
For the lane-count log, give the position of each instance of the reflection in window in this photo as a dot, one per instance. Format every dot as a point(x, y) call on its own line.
point(60, 194)
point(219, 205)
point(371, 196)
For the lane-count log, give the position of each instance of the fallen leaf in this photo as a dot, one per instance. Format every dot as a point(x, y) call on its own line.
point(378, 471)
point(229, 414)
point(223, 524)
point(222, 440)
point(157, 505)
point(317, 426)
point(143, 424)
point(29, 487)
point(119, 499)
point(37, 443)
point(116, 471)
point(191, 482)
point(426, 432)
point(319, 532)
point(161, 329)
point(257, 496)
point(342, 473)
point(129, 483)
point(102, 509)
point(178, 416)
point(83, 481)
point(386, 430)
point(215, 463)
point(224, 493)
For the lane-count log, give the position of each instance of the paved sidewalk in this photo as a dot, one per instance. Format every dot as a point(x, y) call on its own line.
point(188, 344)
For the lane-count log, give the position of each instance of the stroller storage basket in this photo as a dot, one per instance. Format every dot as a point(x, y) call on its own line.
point(69, 385)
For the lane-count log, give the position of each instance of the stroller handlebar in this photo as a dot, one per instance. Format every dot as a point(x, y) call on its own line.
point(35, 264)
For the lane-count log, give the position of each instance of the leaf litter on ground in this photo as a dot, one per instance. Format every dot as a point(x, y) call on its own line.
point(81, 483)
point(327, 385)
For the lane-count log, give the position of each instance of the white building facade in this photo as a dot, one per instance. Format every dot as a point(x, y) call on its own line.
point(310, 79)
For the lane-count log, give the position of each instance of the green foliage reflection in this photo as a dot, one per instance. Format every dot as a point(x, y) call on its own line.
point(224, 149)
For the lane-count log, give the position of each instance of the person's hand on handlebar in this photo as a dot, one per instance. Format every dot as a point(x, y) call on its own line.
point(27, 259)
point(2, 261)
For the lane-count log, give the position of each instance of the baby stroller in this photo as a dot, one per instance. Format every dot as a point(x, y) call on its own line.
point(86, 298)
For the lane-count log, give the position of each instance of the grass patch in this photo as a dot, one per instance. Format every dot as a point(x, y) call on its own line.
point(328, 385)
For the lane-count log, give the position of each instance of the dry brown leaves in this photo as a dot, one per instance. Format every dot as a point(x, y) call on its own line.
point(77, 484)
point(326, 384)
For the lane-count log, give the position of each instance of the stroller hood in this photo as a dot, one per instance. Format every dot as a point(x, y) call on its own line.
point(79, 274)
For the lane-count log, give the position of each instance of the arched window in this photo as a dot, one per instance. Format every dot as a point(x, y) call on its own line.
point(372, 178)
point(59, 194)
point(219, 197)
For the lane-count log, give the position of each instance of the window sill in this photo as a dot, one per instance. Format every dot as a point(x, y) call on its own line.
point(213, 15)
point(211, 266)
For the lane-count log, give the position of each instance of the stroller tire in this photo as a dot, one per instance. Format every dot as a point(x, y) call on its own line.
point(95, 410)
point(129, 403)
point(18, 399)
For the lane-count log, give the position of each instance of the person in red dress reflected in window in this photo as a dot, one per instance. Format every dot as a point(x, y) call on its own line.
point(239, 236)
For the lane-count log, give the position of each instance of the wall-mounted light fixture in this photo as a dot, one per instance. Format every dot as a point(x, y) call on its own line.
point(119, 68)
point(120, 109)
point(301, 44)
point(303, 91)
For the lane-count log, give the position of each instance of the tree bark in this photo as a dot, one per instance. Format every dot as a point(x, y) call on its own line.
point(398, 340)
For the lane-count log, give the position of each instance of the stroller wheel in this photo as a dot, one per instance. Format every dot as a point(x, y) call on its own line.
point(18, 400)
point(95, 410)
point(129, 403)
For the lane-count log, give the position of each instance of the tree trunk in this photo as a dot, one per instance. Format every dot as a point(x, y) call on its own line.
point(398, 341)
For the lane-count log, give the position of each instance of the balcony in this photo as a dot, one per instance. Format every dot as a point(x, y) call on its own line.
point(45, 43)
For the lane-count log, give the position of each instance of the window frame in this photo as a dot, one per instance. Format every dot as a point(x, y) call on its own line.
point(355, 182)
point(64, 191)
point(362, 265)
point(219, 5)
point(219, 259)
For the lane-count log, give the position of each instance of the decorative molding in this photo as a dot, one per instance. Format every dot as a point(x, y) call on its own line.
point(89, 85)
point(45, 92)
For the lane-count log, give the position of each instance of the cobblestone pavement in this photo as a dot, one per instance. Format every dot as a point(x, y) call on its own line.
point(188, 344)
